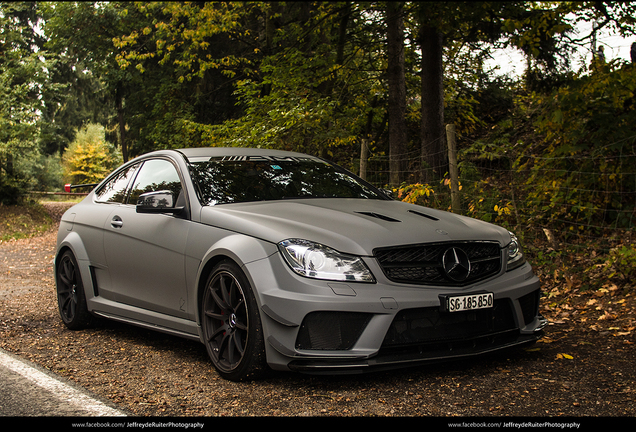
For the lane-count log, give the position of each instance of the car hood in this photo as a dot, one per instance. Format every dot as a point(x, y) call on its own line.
point(354, 226)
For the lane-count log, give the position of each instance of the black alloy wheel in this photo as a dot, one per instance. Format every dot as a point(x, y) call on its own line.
point(231, 324)
point(71, 299)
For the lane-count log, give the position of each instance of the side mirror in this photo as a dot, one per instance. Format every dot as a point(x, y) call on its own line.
point(157, 202)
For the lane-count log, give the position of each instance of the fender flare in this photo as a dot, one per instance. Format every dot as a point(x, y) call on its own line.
point(73, 242)
point(239, 248)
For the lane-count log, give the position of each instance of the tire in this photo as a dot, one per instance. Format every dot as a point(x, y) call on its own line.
point(71, 299)
point(232, 329)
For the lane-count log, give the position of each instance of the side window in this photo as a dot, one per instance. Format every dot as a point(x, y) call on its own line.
point(155, 175)
point(114, 191)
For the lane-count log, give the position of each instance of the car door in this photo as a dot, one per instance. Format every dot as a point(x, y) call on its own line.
point(145, 251)
point(89, 223)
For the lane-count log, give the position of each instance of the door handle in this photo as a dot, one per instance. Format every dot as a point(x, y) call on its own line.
point(116, 222)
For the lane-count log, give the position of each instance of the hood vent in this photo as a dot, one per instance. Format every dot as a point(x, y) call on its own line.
point(379, 216)
point(424, 215)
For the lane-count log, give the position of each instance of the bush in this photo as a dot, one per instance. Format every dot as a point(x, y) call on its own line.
point(18, 163)
point(584, 175)
point(90, 157)
point(621, 263)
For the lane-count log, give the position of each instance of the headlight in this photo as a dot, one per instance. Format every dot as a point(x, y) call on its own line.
point(516, 257)
point(321, 262)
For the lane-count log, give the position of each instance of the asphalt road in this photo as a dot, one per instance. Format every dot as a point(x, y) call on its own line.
point(27, 390)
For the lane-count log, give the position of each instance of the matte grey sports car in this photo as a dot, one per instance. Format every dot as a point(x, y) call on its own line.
point(284, 260)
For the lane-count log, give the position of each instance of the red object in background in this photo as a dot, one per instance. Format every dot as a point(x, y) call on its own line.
point(67, 187)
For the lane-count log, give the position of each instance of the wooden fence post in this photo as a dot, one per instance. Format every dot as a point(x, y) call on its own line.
point(453, 169)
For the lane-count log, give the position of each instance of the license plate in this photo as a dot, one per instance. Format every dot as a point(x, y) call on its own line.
point(468, 302)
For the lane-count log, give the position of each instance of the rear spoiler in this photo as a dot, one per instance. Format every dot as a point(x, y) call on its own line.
point(68, 186)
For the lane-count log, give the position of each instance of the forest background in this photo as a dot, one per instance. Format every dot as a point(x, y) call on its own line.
point(549, 154)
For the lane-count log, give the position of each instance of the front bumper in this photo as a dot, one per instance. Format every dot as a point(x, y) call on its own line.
point(317, 327)
point(421, 353)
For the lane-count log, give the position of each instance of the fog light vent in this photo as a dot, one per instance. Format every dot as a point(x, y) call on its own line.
point(530, 306)
point(331, 330)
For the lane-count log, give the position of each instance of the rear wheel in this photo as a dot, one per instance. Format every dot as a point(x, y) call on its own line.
point(231, 324)
point(71, 299)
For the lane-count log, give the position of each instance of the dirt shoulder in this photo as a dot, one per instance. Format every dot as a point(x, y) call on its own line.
point(584, 367)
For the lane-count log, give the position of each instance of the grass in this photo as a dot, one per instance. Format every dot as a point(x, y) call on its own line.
point(23, 221)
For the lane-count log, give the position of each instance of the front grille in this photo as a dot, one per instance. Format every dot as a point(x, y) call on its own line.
point(429, 325)
point(427, 333)
point(423, 264)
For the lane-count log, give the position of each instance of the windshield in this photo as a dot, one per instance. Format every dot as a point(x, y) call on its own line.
point(259, 178)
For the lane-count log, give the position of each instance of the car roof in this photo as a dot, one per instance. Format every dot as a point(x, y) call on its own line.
point(203, 152)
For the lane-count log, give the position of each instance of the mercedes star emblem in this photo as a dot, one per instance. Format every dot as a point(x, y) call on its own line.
point(456, 264)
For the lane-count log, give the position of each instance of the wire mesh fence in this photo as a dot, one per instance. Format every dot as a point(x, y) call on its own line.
point(569, 201)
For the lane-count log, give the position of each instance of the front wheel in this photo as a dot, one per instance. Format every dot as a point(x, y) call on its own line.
point(232, 328)
point(70, 293)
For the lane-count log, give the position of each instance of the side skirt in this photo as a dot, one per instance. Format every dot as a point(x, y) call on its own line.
point(148, 326)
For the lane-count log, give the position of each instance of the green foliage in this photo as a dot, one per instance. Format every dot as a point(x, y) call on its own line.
point(298, 81)
point(556, 150)
point(49, 173)
point(421, 194)
point(535, 33)
point(90, 157)
point(181, 33)
point(23, 74)
point(312, 76)
point(481, 199)
point(621, 263)
point(307, 76)
point(582, 171)
point(299, 116)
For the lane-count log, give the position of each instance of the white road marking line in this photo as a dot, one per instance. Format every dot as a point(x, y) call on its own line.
point(61, 390)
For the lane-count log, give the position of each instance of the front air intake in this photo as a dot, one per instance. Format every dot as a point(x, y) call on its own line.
point(331, 330)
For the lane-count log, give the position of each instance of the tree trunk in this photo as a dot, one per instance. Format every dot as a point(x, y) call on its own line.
point(433, 136)
point(122, 123)
point(328, 86)
point(397, 91)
